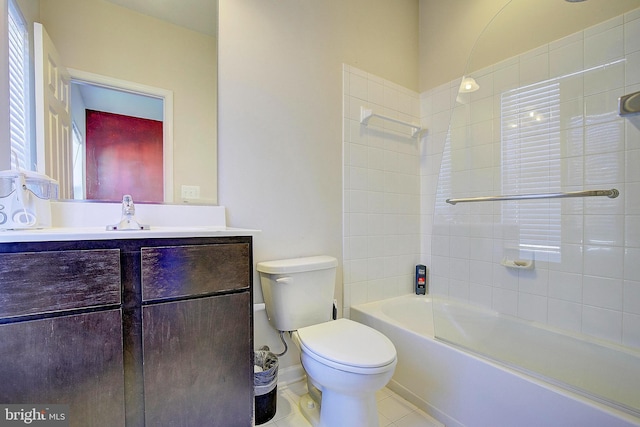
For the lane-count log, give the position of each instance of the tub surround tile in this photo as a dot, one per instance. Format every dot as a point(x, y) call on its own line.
point(605, 261)
point(382, 241)
point(631, 330)
point(565, 286)
point(632, 264)
point(602, 323)
point(565, 315)
point(604, 43)
point(631, 297)
point(505, 301)
point(632, 68)
point(603, 292)
point(591, 279)
point(532, 307)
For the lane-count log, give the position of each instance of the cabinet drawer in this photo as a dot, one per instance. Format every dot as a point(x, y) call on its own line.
point(177, 271)
point(40, 282)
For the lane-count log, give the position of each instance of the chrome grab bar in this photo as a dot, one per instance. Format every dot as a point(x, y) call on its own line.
point(612, 194)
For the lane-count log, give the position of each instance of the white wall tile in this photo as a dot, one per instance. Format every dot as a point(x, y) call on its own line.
point(632, 230)
point(565, 314)
point(358, 201)
point(605, 78)
point(568, 58)
point(632, 166)
point(632, 264)
point(632, 69)
point(505, 301)
point(604, 230)
point(632, 198)
point(358, 87)
point(632, 36)
point(603, 292)
point(602, 323)
point(534, 281)
point(603, 43)
point(631, 330)
point(375, 92)
point(603, 261)
point(481, 272)
point(565, 286)
point(532, 307)
point(631, 297)
point(534, 69)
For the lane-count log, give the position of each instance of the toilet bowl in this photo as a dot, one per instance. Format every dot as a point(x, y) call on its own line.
point(346, 361)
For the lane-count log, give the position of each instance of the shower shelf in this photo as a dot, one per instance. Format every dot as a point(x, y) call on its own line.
point(612, 194)
point(366, 114)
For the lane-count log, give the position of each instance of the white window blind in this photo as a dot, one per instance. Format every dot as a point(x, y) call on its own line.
point(18, 88)
point(530, 121)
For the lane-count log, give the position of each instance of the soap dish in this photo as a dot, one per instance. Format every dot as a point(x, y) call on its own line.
point(522, 264)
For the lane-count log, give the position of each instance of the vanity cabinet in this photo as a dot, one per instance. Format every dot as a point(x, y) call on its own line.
point(130, 332)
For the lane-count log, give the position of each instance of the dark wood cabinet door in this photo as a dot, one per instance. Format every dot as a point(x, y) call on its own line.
point(74, 360)
point(198, 362)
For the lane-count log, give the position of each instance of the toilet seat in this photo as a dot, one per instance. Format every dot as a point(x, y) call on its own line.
point(348, 346)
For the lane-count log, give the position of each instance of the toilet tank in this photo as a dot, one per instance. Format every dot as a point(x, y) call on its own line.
point(298, 292)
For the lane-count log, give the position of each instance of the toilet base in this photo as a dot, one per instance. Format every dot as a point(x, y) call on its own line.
point(339, 411)
point(310, 409)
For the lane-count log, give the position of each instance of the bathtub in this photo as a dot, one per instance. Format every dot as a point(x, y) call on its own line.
point(502, 371)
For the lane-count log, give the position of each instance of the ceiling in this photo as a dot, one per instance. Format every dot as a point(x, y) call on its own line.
point(197, 15)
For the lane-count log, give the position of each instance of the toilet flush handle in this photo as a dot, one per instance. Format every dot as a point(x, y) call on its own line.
point(284, 280)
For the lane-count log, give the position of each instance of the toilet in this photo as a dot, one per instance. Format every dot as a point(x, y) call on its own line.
point(346, 362)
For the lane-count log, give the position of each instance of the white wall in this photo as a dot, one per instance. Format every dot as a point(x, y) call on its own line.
point(280, 132)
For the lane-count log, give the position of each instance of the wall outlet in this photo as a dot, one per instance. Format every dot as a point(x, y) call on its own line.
point(190, 191)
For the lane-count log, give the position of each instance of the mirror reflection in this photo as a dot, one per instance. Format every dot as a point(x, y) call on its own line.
point(167, 53)
point(107, 121)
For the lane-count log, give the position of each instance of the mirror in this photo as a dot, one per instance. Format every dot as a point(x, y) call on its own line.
point(170, 46)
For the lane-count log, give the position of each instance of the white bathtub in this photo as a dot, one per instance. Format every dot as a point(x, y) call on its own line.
point(533, 376)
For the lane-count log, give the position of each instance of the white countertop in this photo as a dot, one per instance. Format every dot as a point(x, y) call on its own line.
point(97, 233)
point(88, 221)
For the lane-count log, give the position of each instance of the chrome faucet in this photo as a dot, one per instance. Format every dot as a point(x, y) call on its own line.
point(128, 220)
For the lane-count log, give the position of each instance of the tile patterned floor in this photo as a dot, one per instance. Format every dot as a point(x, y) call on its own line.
point(393, 410)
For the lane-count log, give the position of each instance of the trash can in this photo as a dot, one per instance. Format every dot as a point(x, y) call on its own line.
point(265, 384)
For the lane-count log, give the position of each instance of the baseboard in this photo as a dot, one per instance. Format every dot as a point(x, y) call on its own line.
point(290, 374)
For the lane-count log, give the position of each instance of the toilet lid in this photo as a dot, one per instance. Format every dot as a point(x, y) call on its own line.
point(348, 343)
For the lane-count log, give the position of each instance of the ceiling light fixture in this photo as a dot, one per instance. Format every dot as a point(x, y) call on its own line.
point(469, 84)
